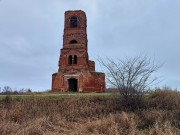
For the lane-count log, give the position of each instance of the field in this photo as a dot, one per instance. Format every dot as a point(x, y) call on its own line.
point(55, 95)
point(89, 114)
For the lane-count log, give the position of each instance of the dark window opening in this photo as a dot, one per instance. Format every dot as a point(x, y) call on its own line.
point(75, 59)
point(70, 60)
point(73, 22)
point(73, 42)
point(73, 85)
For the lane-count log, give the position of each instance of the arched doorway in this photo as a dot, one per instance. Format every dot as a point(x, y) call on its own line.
point(72, 85)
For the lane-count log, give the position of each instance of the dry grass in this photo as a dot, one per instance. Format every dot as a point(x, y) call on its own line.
point(165, 99)
point(89, 116)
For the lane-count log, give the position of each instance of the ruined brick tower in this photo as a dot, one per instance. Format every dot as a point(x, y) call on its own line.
point(76, 72)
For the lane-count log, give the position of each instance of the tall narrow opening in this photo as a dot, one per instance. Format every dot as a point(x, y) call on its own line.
point(73, 85)
point(75, 59)
point(70, 60)
point(73, 22)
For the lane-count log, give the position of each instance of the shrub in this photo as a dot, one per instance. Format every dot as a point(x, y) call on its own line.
point(164, 99)
point(7, 101)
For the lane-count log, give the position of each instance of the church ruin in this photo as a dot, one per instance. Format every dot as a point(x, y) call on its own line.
point(76, 72)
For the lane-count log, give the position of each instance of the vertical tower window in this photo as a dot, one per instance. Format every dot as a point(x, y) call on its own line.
point(70, 60)
point(73, 22)
point(75, 59)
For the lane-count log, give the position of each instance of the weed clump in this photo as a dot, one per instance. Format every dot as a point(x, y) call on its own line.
point(7, 101)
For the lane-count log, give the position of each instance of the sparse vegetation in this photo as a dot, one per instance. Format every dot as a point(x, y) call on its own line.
point(7, 90)
point(160, 114)
point(132, 77)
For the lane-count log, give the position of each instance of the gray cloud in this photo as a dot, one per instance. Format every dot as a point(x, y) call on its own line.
point(31, 36)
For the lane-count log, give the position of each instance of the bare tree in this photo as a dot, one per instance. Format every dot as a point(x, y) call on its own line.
point(131, 76)
point(7, 90)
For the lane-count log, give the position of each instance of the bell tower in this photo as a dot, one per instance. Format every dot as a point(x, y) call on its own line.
point(74, 52)
point(76, 72)
point(75, 28)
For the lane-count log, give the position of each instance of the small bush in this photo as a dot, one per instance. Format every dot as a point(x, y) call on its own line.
point(7, 101)
point(164, 99)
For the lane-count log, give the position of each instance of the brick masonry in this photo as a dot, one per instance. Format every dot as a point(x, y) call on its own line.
point(76, 72)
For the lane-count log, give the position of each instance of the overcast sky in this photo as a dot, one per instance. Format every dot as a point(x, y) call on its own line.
point(31, 36)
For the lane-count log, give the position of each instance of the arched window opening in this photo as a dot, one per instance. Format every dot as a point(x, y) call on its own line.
point(73, 22)
point(70, 60)
point(75, 59)
point(73, 42)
